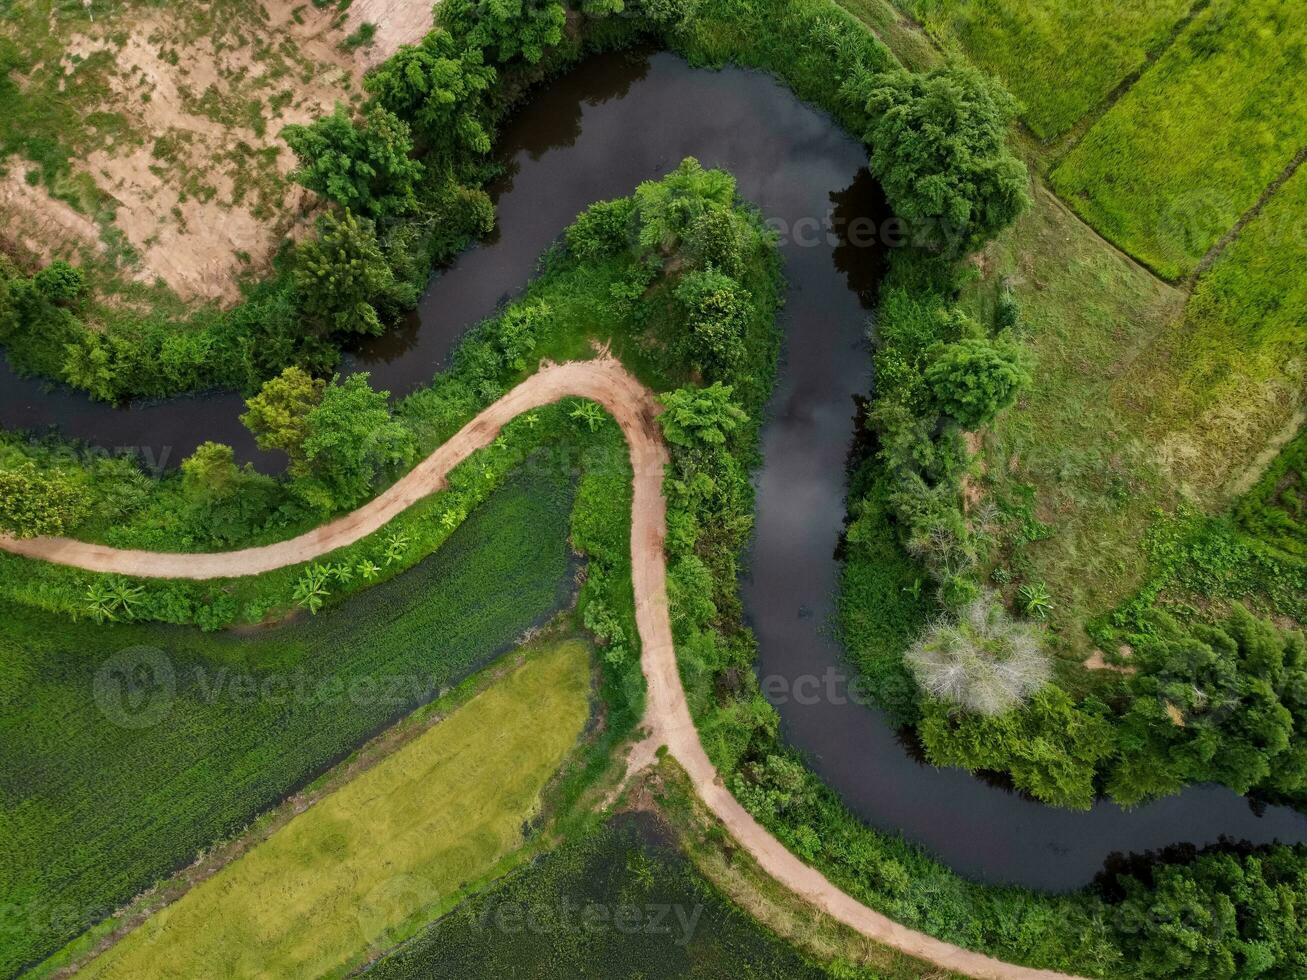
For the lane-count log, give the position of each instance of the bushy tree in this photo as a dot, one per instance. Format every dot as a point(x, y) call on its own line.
point(210, 473)
point(983, 661)
point(60, 283)
point(351, 439)
point(700, 416)
point(604, 228)
point(938, 147)
point(1225, 704)
point(666, 209)
point(278, 414)
point(342, 273)
point(35, 502)
point(508, 29)
point(88, 365)
point(1051, 747)
point(973, 379)
point(721, 238)
point(1221, 916)
point(364, 167)
point(437, 85)
point(717, 312)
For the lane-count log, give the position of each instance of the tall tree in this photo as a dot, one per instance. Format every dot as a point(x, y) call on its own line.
point(939, 148)
point(342, 273)
point(278, 414)
point(437, 85)
point(364, 167)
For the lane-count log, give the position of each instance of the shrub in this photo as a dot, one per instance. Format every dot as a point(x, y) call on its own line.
point(604, 228)
point(366, 168)
point(974, 379)
point(700, 416)
point(717, 314)
point(938, 147)
point(342, 274)
point(34, 502)
point(984, 661)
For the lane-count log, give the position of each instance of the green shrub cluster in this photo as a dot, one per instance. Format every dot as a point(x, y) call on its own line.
point(1275, 510)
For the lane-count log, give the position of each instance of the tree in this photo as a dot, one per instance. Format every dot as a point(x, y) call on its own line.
point(938, 147)
point(717, 313)
point(438, 85)
point(700, 416)
point(60, 283)
point(365, 168)
point(88, 365)
point(340, 275)
point(973, 379)
point(1225, 704)
point(667, 208)
point(350, 438)
point(720, 238)
point(278, 414)
point(35, 502)
point(983, 661)
point(210, 473)
point(511, 28)
point(1222, 916)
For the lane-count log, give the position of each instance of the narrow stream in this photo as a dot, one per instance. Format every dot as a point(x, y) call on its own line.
point(595, 134)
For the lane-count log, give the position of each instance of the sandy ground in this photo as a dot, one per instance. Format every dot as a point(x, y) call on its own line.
point(198, 185)
point(667, 716)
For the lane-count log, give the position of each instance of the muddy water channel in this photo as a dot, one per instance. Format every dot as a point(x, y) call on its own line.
point(594, 134)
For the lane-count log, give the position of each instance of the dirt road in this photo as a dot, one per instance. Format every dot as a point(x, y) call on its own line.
point(667, 715)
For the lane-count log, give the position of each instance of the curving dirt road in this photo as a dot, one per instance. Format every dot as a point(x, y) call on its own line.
point(667, 715)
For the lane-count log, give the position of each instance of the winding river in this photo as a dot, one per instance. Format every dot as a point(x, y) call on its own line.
point(595, 134)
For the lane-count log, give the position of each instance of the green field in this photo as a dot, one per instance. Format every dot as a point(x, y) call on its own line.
point(1060, 59)
point(93, 811)
point(390, 845)
point(1070, 466)
point(1230, 378)
point(673, 925)
point(1191, 147)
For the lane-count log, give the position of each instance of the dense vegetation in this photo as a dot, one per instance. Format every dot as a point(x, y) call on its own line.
point(922, 543)
point(619, 902)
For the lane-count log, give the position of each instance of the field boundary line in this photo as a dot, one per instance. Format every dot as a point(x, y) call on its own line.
point(1215, 252)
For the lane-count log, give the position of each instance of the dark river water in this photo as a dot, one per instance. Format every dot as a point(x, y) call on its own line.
point(595, 134)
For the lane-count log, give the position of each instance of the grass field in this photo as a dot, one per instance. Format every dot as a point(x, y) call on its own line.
point(673, 924)
point(1060, 59)
point(1230, 378)
point(1070, 464)
point(127, 749)
point(1191, 147)
point(390, 846)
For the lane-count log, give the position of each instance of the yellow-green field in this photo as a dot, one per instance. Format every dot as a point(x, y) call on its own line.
point(384, 852)
point(1061, 59)
point(1197, 140)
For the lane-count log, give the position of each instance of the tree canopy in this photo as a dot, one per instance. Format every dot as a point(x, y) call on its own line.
point(366, 168)
point(438, 85)
point(975, 378)
point(695, 416)
point(938, 147)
